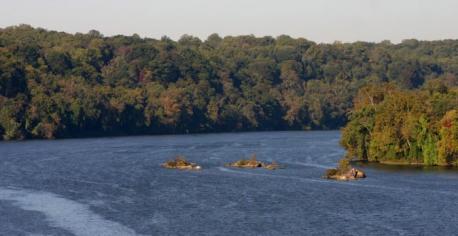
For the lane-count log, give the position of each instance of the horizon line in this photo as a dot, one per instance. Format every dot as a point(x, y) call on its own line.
point(203, 39)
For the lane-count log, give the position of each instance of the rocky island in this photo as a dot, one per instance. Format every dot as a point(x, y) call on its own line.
point(253, 163)
point(344, 172)
point(181, 163)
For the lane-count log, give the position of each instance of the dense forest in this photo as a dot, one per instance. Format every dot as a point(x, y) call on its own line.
point(55, 84)
point(392, 125)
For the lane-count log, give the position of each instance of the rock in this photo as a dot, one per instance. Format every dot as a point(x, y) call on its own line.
point(360, 174)
point(351, 174)
point(246, 164)
point(272, 166)
point(181, 164)
point(253, 163)
point(344, 172)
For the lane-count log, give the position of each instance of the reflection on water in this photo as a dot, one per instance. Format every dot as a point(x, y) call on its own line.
point(407, 168)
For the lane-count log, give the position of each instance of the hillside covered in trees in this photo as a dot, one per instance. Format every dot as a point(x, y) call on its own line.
point(397, 126)
point(54, 84)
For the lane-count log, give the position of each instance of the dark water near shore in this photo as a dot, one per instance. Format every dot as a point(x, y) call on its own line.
point(115, 186)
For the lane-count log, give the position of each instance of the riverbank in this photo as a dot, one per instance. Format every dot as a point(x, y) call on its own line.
point(400, 165)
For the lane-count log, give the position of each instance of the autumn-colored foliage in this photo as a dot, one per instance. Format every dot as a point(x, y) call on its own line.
point(55, 85)
point(404, 126)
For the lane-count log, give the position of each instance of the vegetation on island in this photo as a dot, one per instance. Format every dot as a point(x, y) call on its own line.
point(397, 126)
point(55, 85)
point(181, 163)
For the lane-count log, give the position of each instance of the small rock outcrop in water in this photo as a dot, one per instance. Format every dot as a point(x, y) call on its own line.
point(253, 163)
point(272, 166)
point(181, 163)
point(344, 172)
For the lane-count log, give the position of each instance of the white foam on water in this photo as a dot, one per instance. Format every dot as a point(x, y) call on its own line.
point(64, 213)
point(358, 183)
point(113, 185)
point(270, 175)
point(53, 158)
point(311, 165)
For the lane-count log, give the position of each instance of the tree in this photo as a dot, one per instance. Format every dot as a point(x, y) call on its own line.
point(55, 84)
point(448, 144)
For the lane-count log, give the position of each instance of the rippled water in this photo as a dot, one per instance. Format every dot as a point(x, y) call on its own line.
point(115, 186)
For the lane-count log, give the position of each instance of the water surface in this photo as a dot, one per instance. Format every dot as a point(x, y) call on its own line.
point(115, 186)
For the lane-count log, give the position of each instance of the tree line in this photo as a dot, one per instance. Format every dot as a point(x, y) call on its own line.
point(55, 84)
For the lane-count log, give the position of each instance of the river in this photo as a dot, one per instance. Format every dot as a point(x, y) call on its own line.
point(115, 186)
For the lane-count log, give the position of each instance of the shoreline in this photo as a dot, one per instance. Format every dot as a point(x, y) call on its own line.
point(163, 134)
point(400, 164)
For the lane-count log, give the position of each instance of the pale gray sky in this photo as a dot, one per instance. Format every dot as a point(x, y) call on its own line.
point(317, 20)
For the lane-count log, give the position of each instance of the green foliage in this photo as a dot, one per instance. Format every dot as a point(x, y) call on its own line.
point(357, 132)
point(344, 166)
point(55, 84)
point(10, 117)
point(404, 126)
point(448, 144)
